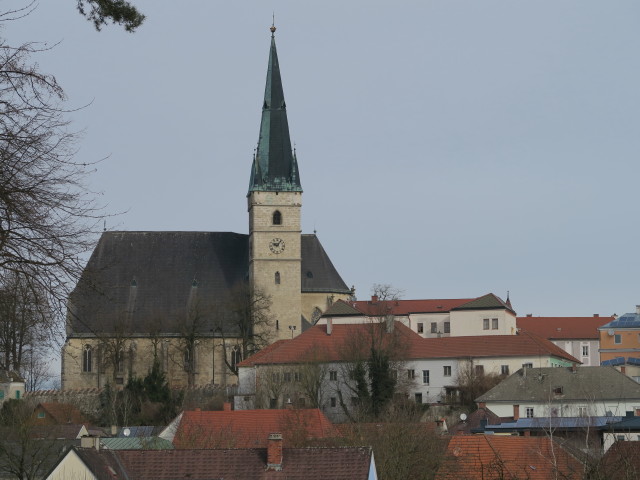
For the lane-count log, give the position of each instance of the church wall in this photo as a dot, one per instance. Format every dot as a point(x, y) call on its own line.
point(321, 301)
point(138, 360)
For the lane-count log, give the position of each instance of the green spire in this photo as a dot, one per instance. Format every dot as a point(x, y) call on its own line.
point(275, 168)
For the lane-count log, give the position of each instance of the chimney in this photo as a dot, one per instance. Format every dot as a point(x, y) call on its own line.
point(527, 433)
point(114, 430)
point(516, 412)
point(574, 368)
point(638, 309)
point(623, 369)
point(329, 325)
point(90, 442)
point(529, 314)
point(596, 315)
point(374, 299)
point(274, 452)
point(482, 405)
point(289, 404)
point(226, 406)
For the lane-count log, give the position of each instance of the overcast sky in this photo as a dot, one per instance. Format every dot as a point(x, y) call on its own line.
point(450, 148)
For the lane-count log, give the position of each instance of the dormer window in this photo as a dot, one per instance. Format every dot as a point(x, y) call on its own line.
point(134, 283)
point(277, 218)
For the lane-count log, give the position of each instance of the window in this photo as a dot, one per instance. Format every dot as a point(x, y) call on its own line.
point(485, 324)
point(287, 376)
point(504, 369)
point(620, 438)
point(411, 374)
point(333, 401)
point(277, 278)
point(418, 397)
point(236, 356)
point(617, 338)
point(527, 365)
point(41, 415)
point(301, 402)
point(582, 411)
point(333, 375)
point(434, 327)
point(425, 377)
point(277, 218)
point(447, 327)
point(479, 370)
point(87, 358)
point(18, 394)
point(447, 371)
point(421, 328)
point(585, 350)
point(529, 411)
point(296, 376)
point(557, 391)
point(273, 403)
point(119, 381)
point(494, 324)
point(394, 374)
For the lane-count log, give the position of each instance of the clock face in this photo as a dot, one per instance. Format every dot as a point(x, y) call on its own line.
point(276, 245)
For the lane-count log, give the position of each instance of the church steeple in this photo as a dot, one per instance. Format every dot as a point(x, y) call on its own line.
point(275, 168)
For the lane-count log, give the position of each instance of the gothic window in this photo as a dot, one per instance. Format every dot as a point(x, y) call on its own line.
point(236, 357)
point(277, 279)
point(87, 358)
point(315, 316)
point(277, 218)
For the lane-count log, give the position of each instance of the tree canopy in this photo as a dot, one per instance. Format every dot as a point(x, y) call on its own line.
point(120, 12)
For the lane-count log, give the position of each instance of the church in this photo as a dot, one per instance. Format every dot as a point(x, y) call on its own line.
point(175, 298)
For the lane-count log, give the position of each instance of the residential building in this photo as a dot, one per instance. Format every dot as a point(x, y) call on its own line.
point(436, 318)
point(626, 429)
point(168, 296)
point(272, 462)
point(426, 369)
point(563, 392)
point(49, 413)
point(578, 336)
point(11, 385)
point(622, 462)
point(482, 457)
point(620, 343)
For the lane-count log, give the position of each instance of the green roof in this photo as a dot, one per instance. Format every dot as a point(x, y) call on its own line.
point(136, 443)
point(275, 167)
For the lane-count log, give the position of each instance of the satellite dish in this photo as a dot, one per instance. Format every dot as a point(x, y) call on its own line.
point(611, 332)
point(126, 432)
point(463, 416)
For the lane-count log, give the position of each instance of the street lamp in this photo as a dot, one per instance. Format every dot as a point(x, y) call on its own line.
point(293, 329)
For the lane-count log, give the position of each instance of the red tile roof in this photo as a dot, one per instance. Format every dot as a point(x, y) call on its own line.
point(250, 428)
point(59, 413)
point(563, 327)
point(622, 461)
point(316, 345)
point(338, 463)
point(405, 307)
point(492, 456)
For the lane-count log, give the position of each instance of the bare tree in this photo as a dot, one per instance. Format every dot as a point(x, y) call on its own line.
point(48, 218)
point(245, 322)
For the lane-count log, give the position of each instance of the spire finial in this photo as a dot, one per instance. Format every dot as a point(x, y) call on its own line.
point(273, 24)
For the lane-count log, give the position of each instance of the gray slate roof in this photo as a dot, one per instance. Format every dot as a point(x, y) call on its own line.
point(486, 302)
point(146, 281)
point(538, 385)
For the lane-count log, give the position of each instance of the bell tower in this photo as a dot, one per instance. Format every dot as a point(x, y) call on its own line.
point(274, 204)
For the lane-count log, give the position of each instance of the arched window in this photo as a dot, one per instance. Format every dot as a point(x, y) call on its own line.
point(315, 316)
point(236, 357)
point(120, 361)
point(87, 358)
point(277, 218)
point(277, 279)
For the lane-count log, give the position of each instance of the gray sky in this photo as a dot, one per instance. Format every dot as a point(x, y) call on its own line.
point(450, 148)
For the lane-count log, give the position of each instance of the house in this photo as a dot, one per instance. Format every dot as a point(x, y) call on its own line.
point(620, 344)
point(247, 428)
point(11, 385)
point(626, 429)
point(141, 291)
point(272, 462)
point(436, 318)
point(476, 421)
point(426, 369)
point(482, 457)
point(578, 336)
point(563, 392)
point(49, 413)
